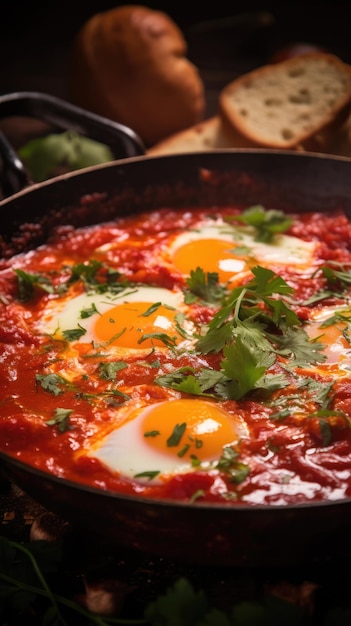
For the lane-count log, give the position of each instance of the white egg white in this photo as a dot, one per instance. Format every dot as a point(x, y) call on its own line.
point(66, 313)
point(127, 451)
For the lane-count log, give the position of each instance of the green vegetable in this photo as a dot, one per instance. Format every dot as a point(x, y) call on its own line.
point(48, 156)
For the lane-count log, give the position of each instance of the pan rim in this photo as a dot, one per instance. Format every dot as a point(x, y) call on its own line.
point(323, 156)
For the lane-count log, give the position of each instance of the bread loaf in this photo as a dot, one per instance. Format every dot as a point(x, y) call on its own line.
point(294, 104)
point(129, 64)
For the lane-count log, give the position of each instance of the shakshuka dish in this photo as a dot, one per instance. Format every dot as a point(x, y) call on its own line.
point(199, 356)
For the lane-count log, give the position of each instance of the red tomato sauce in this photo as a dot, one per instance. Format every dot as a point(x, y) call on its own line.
point(60, 397)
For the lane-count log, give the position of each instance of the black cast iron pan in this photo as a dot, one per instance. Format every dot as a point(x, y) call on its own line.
point(194, 533)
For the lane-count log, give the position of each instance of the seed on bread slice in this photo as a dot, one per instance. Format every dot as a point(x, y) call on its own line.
point(294, 104)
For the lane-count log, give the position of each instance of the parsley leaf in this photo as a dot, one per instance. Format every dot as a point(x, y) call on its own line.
point(242, 368)
point(51, 382)
point(61, 420)
point(88, 311)
point(148, 474)
point(97, 277)
point(166, 339)
point(229, 464)
point(108, 370)
point(178, 432)
point(340, 275)
point(338, 279)
point(74, 334)
point(252, 327)
point(152, 309)
point(87, 272)
point(203, 285)
point(188, 381)
point(296, 345)
point(266, 222)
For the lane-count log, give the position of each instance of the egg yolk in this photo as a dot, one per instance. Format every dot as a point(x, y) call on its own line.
point(138, 325)
point(337, 348)
point(189, 429)
point(212, 255)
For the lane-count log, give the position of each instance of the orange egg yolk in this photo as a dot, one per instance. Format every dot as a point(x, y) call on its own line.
point(212, 255)
point(337, 348)
point(190, 429)
point(138, 325)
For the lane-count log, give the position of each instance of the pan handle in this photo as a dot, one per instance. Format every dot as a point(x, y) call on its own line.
point(13, 174)
point(122, 140)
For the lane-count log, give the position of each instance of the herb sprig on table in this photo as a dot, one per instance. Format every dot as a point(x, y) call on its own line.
point(28, 594)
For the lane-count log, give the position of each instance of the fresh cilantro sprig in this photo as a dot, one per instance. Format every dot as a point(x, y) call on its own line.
point(261, 325)
point(253, 326)
point(203, 286)
point(244, 369)
point(296, 345)
point(267, 223)
point(253, 301)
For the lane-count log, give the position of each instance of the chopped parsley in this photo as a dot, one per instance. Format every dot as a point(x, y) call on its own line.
point(178, 432)
point(109, 369)
point(54, 383)
point(61, 420)
point(74, 334)
point(27, 282)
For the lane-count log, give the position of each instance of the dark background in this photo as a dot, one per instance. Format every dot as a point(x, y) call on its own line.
point(36, 37)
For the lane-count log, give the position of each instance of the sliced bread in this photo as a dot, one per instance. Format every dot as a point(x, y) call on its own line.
point(207, 135)
point(294, 104)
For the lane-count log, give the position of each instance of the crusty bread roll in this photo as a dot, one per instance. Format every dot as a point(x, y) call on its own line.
point(294, 104)
point(129, 64)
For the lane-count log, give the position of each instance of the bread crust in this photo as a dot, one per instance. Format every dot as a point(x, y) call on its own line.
point(320, 128)
point(129, 64)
